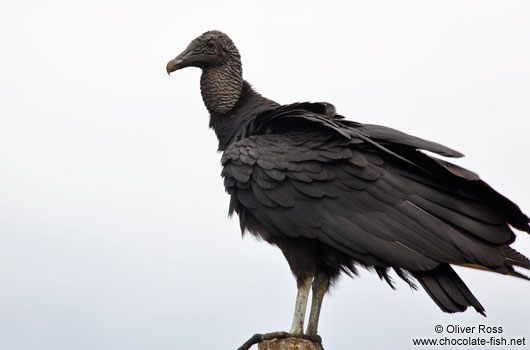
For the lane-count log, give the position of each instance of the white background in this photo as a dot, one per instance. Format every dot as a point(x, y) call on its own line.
point(113, 228)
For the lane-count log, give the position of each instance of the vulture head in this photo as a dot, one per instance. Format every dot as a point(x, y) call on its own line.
point(222, 74)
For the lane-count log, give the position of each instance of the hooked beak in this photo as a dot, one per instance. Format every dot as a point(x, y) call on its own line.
point(181, 61)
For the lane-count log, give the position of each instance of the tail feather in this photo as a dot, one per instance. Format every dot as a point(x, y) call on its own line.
point(513, 257)
point(517, 274)
point(448, 290)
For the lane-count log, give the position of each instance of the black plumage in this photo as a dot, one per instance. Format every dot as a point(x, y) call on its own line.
point(333, 194)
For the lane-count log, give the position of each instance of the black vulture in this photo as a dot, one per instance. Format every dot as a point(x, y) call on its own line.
point(335, 194)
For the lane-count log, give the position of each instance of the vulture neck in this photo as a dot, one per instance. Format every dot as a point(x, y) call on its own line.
point(233, 125)
point(221, 86)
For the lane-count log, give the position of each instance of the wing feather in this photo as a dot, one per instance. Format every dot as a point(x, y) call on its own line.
point(364, 202)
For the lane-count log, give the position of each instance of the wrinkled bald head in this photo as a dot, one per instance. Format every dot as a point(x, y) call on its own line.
point(211, 49)
point(222, 74)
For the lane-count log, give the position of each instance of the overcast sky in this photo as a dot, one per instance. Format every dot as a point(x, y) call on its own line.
point(113, 227)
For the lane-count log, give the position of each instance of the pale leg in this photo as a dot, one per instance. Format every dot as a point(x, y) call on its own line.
point(320, 286)
point(300, 306)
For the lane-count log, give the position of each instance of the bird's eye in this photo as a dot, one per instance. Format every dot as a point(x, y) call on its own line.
point(211, 44)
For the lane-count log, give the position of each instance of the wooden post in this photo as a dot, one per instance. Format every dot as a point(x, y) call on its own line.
point(283, 341)
point(289, 344)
